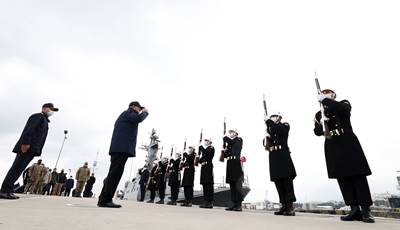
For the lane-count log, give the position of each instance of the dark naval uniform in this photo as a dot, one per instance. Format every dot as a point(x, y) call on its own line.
point(234, 171)
point(345, 159)
point(188, 176)
point(152, 184)
point(281, 168)
point(144, 178)
point(161, 180)
point(174, 178)
point(207, 175)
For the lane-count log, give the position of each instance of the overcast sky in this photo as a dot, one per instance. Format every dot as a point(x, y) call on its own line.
point(192, 63)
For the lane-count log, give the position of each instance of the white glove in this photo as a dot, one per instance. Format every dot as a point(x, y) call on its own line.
point(321, 97)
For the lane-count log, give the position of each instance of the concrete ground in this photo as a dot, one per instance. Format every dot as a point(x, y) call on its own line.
point(59, 213)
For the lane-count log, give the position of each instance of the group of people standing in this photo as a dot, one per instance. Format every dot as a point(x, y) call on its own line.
point(169, 170)
point(345, 160)
point(38, 179)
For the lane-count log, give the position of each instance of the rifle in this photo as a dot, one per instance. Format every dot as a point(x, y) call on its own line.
point(222, 156)
point(324, 119)
point(197, 158)
point(183, 156)
point(266, 140)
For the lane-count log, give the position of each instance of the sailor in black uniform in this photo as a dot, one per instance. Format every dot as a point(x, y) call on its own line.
point(174, 180)
point(282, 171)
point(234, 172)
point(206, 155)
point(345, 159)
point(188, 176)
point(152, 186)
point(161, 179)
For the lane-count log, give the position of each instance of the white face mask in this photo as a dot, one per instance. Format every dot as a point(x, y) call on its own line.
point(50, 113)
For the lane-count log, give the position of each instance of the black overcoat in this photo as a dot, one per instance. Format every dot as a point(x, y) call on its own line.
point(343, 153)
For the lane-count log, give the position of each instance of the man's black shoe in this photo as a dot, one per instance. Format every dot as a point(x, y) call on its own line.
point(206, 205)
point(366, 215)
point(160, 202)
point(230, 208)
point(171, 203)
point(108, 205)
point(14, 196)
point(150, 201)
point(355, 214)
point(8, 196)
point(237, 209)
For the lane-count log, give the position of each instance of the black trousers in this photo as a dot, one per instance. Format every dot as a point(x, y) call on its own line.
point(355, 190)
point(46, 189)
point(174, 193)
point(114, 176)
point(161, 190)
point(188, 190)
point(236, 192)
point(67, 192)
point(285, 190)
point(208, 192)
point(152, 194)
point(142, 192)
point(21, 161)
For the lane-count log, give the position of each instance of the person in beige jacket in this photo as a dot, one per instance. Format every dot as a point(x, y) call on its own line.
point(82, 175)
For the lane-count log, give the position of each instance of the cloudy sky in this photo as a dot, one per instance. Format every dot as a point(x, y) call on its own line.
point(192, 63)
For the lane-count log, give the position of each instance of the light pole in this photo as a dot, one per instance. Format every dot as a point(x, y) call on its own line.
point(62, 146)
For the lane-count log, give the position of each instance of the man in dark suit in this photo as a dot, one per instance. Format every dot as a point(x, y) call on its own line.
point(28, 146)
point(123, 146)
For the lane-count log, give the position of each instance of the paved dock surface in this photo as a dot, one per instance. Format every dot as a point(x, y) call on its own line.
point(59, 213)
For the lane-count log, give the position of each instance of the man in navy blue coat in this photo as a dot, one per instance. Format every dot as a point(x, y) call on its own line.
point(123, 146)
point(28, 146)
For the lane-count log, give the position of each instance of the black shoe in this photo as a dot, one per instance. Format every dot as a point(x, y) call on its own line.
point(366, 215)
point(237, 209)
point(281, 210)
point(354, 214)
point(171, 202)
point(160, 202)
point(150, 201)
point(230, 208)
point(208, 205)
point(108, 205)
point(189, 204)
point(289, 211)
point(7, 196)
point(14, 196)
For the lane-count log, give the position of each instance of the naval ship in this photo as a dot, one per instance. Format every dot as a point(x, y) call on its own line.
point(221, 190)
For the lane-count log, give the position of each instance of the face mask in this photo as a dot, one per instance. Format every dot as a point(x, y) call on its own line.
point(207, 143)
point(50, 113)
point(232, 135)
point(191, 150)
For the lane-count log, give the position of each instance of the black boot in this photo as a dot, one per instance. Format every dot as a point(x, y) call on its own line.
point(150, 201)
point(160, 202)
point(238, 207)
point(281, 210)
point(354, 214)
point(289, 211)
point(207, 204)
point(366, 215)
point(171, 202)
point(230, 208)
